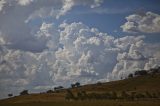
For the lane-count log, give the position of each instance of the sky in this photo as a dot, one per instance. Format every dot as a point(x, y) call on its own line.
point(49, 43)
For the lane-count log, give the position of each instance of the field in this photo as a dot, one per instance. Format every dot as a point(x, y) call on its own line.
point(139, 85)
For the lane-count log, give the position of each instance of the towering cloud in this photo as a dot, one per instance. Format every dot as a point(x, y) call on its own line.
point(27, 50)
point(74, 52)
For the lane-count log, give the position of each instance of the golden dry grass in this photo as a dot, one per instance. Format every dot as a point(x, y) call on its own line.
point(138, 84)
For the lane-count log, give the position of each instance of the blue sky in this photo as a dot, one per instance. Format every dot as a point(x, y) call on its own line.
point(109, 16)
point(114, 16)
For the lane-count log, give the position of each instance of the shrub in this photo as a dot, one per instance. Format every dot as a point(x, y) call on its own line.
point(69, 95)
point(99, 83)
point(124, 95)
point(154, 95)
point(50, 91)
point(80, 96)
point(158, 93)
point(148, 95)
point(139, 95)
point(133, 95)
point(107, 95)
point(114, 95)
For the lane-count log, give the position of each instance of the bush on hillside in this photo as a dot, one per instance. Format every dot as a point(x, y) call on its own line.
point(24, 92)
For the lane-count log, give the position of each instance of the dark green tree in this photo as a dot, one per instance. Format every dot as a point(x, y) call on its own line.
point(130, 76)
point(24, 92)
point(10, 95)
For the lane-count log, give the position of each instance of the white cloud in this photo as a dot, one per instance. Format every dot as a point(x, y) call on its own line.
point(61, 7)
point(26, 12)
point(89, 55)
point(74, 52)
point(44, 87)
point(138, 56)
point(82, 55)
point(2, 2)
point(148, 23)
point(24, 2)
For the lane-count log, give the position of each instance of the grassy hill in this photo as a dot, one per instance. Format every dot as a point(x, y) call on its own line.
point(141, 84)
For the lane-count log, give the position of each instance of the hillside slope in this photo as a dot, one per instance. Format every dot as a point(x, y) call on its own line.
point(138, 84)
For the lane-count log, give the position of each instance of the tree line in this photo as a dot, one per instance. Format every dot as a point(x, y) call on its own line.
point(151, 71)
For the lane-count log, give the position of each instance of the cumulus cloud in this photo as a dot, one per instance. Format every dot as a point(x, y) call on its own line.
point(138, 56)
point(24, 70)
point(146, 23)
point(21, 33)
point(75, 52)
point(89, 55)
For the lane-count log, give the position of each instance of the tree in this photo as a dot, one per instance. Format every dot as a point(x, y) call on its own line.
point(24, 92)
point(73, 85)
point(140, 73)
point(58, 88)
point(130, 76)
point(77, 84)
point(10, 95)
